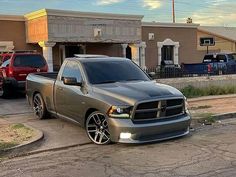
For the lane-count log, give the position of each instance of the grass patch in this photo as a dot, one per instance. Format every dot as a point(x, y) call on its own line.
point(19, 126)
point(201, 107)
point(206, 118)
point(14, 134)
point(5, 145)
point(193, 92)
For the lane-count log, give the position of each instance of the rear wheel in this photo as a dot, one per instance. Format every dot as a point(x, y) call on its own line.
point(97, 128)
point(5, 91)
point(39, 107)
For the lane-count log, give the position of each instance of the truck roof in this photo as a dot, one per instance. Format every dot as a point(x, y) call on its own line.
point(92, 58)
point(220, 53)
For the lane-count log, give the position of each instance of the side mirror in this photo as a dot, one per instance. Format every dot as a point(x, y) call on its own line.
point(72, 81)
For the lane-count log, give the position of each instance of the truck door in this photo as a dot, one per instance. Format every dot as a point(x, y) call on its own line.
point(69, 98)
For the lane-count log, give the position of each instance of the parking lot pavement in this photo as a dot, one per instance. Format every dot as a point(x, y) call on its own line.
point(210, 151)
point(13, 106)
point(58, 133)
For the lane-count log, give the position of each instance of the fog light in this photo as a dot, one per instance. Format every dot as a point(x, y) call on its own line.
point(125, 135)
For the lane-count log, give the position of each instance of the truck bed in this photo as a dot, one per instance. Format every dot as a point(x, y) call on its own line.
point(42, 83)
point(52, 75)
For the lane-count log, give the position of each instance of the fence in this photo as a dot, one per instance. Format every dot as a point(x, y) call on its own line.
point(190, 70)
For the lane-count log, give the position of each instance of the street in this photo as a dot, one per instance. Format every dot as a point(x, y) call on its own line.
point(209, 151)
point(66, 151)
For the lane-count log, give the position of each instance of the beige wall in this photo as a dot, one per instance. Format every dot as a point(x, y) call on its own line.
point(187, 38)
point(15, 31)
point(37, 30)
point(221, 44)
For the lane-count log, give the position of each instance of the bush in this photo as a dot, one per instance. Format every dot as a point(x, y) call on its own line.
point(192, 92)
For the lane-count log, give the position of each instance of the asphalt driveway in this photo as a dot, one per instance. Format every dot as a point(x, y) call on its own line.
point(58, 133)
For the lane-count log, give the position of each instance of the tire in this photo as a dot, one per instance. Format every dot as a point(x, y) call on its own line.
point(6, 92)
point(39, 107)
point(97, 128)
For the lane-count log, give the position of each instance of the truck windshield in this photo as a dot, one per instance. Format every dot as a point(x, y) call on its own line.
point(100, 72)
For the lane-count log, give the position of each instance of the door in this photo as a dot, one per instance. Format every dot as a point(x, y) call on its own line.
point(128, 52)
point(69, 98)
point(167, 53)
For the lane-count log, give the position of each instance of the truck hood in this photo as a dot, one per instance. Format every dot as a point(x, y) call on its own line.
point(131, 92)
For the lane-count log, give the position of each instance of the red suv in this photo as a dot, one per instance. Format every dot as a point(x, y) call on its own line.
point(15, 68)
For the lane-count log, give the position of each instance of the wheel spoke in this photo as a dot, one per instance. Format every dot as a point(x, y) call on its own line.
point(96, 120)
point(101, 137)
point(96, 136)
point(106, 136)
point(104, 123)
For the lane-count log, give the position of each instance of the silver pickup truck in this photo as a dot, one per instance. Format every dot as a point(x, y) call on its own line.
point(112, 98)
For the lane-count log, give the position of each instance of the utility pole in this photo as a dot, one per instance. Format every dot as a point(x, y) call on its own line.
point(173, 10)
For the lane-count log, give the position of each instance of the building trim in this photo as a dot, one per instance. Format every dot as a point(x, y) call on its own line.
point(66, 13)
point(167, 42)
point(217, 35)
point(12, 17)
point(170, 25)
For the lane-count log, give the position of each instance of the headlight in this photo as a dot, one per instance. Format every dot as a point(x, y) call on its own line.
point(186, 105)
point(120, 111)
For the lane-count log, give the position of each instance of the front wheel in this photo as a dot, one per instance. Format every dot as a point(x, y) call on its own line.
point(97, 128)
point(39, 107)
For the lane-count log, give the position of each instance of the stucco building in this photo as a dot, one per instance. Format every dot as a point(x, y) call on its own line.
point(225, 38)
point(58, 34)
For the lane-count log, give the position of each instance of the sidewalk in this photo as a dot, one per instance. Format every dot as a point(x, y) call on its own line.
point(213, 104)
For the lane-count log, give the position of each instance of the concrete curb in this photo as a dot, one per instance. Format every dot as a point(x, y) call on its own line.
point(205, 98)
point(26, 145)
point(223, 116)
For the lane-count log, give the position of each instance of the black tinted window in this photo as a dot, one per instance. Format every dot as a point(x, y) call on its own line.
point(208, 58)
point(113, 71)
point(221, 58)
point(34, 61)
point(231, 56)
point(72, 70)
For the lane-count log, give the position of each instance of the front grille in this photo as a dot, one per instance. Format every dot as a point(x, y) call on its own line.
point(159, 109)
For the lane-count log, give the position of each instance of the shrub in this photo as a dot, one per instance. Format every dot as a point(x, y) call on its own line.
point(192, 92)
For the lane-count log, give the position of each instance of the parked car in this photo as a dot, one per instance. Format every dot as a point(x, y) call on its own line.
point(16, 67)
point(112, 98)
point(219, 63)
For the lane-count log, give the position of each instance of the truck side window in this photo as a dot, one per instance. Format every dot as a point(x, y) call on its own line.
point(71, 70)
point(221, 58)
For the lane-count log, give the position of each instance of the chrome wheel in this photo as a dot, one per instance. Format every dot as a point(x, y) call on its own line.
point(97, 128)
point(39, 106)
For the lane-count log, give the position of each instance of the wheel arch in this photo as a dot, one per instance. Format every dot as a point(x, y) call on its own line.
point(88, 112)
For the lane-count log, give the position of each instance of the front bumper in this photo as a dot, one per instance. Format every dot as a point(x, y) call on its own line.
point(149, 132)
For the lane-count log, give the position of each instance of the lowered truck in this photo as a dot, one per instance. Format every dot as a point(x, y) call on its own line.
point(111, 98)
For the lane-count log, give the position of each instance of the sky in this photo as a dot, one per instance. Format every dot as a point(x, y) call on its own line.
point(204, 12)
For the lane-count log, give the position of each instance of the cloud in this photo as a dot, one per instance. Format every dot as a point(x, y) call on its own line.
point(215, 15)
point(108, 2)
point(152, 4)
